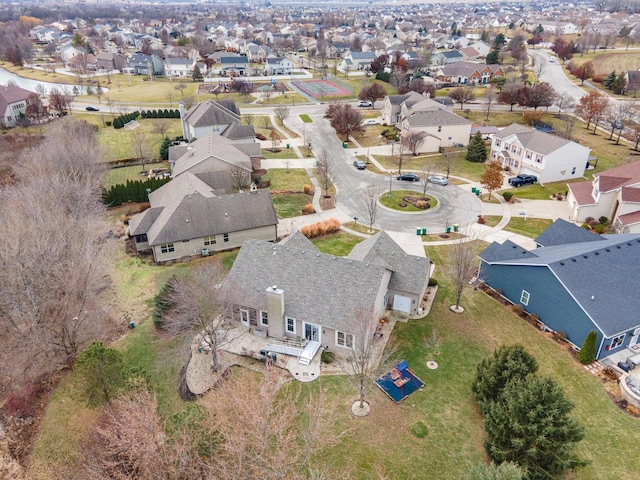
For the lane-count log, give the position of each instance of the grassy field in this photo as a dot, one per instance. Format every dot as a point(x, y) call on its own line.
point(119, 144)
point(529, 227)
point(339, 243)
point(281, 179)
point(397, 196)
point(120, 175)
point(283, 151)
point(458, 165)
point(608, 61)
point(291, 204)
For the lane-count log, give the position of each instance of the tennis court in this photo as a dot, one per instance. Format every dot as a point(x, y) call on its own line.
point(319, 88)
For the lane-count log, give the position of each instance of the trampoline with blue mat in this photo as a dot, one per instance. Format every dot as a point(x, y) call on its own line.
point(399, 382)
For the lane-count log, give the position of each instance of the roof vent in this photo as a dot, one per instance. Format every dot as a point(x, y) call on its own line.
point(596, 253)
point(584, 256)
point(561, 263)
point(607, 249)
point(275, 287)
point(573, 259)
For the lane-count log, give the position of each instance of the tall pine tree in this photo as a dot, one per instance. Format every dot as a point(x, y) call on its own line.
point(477, 150)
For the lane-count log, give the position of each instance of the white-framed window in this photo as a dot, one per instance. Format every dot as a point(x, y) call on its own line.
point(225, 237)
point(291, 325)
point(244, 316)
point(538, 158)
point(506, 146)
point(528, 155)
point(344, 339)
point(210, 240)
point(264, 318)
point(167, 247)
point(573, 171)
point(497, 142)
point(617, 341)
point(524, 297)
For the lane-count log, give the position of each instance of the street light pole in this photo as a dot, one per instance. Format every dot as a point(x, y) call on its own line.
point(390, 179)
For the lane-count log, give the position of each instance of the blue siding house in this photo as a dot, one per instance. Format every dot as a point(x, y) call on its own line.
point(575, 281)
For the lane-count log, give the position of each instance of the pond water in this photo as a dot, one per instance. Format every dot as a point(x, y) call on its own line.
point(28, 84)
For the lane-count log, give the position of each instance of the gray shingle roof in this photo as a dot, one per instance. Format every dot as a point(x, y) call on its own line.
point(214, 148)
point(534, 140)
point(428, 118)
point(210, 112)
point(196, 216)
point(318, 288)
point(601, 276)
point(561, 232)
point(410, 273)
point(237, 132)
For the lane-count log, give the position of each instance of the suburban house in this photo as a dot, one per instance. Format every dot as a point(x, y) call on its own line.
point(469, 73)
point(446, 58)
point(213, 153)
point(278, 66)
point(614, 194)
point(357, 60)
point(525, 150)
point(292, 291)
point(179, 67)
point(391, 108)
point(13, 104)
point(108, 61)
point(632, 81)
point(222, 117)
point(429, 126)
point(575, 282)
point(195, 214)
point(234, 66)
point(141, 64)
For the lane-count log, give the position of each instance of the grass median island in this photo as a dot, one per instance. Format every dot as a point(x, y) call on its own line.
point(306, 118)
point(399, 200)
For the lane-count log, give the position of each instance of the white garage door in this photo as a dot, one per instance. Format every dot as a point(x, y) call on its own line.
point(402, 304)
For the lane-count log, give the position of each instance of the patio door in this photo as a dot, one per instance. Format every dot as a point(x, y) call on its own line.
point(311, 332)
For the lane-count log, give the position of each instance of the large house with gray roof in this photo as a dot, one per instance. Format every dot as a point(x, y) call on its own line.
point(524, 150)
point(221, 117)
point(13, 104)
point(614, 194)
point(291, 290)
point(575, 281)
point(429, 126)
point(195, 214)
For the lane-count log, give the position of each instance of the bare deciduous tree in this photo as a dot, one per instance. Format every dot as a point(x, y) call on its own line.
point(463, 267)
point(281, 112)
point(490, 97)
point(273, 435)
point(161, 126)
point(371, 210)
point(324, 170)
point(128, 441)
point(365, 353)
point(141, 146)
point(198, 309)
point(54, 258)
point(425, 173)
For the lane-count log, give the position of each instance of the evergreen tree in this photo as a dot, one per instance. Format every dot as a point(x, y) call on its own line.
point(506, 363)
point(164, 149)
point(100, 373)
point(609, 79)
point(619, 85)
point(529, 424)
point(477, 150)
point(587, 353)
point(197, 74)
point(493, 57)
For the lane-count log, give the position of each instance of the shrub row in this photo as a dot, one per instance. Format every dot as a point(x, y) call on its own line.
point(132, 191)
point(122, 120)
point(166, 113)
point(321, 228)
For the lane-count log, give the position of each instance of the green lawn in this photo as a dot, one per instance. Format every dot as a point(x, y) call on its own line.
point(397, 196)
point(529, 227)
point(339, 243)
point(293, 179)
point(120, 175)
point(458, 166)
point(306, 118)
point(119, 144)
point(284, 152)
point(290, 204)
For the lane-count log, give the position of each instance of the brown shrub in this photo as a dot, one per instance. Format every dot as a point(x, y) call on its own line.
point(321, 228)
point(633, 410)
point(532, 116)
point(421, 204)
point(307, 189)
point(517, 309)
point(308, 209)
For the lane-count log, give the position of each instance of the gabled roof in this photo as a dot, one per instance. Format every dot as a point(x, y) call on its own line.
point(582, 192)
point(213, 147)
point(12, 94)
point(429, 118)
point(237, 132)
point(600, 275)
point(409, 271)
point(232, 61)
point(198, 215)
point(298, 240)
point(534, 140)
point(318, 288)
point(622, 176)
point(561, 232)
point(210, 112)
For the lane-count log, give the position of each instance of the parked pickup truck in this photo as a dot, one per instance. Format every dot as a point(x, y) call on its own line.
point(523, 180)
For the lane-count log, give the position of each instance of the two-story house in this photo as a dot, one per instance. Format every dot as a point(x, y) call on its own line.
point(469, 73)
point(279, 66)
point(179, 67)
point(614, 194)
point(13, 104)
point(528, 151)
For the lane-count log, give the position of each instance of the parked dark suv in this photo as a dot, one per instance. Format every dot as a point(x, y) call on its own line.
point(523, 180)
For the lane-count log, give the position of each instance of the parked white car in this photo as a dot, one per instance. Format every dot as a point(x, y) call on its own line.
point(371, 121)
point(439, 180)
